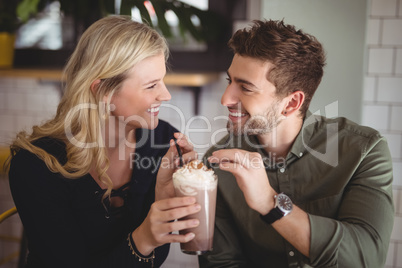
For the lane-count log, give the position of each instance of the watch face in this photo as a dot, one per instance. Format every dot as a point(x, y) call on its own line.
point(284, 203)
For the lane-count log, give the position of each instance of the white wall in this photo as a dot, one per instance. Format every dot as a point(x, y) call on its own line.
point(340, 26)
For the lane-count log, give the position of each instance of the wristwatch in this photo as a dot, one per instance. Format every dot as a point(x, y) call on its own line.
point(283, 206)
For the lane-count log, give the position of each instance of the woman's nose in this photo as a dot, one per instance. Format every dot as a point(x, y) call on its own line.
point(164, 94)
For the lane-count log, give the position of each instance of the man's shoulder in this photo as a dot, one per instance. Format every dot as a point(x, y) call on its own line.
point(344, 131)
point(343, 124)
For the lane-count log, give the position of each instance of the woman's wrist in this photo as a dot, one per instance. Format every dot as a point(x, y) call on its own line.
point(140, 243)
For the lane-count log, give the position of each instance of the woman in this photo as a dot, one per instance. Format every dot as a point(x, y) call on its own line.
point(86, 183)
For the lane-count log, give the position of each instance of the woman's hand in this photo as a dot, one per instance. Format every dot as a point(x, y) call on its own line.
point(159, 224)
point(164, 184)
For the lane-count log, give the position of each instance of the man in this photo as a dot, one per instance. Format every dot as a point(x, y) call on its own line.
point(295, 189)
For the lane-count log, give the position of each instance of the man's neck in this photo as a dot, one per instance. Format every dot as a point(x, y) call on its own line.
point(280, 141)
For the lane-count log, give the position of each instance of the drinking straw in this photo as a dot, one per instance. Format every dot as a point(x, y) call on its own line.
point(179, 152)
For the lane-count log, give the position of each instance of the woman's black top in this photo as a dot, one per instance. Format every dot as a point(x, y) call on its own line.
point(66, 222)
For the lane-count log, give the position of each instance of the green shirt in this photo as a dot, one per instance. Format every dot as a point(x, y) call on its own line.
point(338, 172)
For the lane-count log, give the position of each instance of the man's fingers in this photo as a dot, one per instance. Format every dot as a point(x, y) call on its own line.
point(241, 158)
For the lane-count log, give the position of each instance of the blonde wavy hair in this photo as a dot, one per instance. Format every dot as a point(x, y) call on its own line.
point(106, 51)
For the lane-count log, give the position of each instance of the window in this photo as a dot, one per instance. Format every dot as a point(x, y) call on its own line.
point(49, 39)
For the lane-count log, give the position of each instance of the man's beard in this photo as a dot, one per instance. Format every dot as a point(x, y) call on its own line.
point(257, 124)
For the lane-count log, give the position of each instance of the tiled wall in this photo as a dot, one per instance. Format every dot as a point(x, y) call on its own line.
point(23, 103)
point(382, 99)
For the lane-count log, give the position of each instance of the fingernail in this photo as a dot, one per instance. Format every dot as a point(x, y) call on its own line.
point(197, 207)
point(191, 235)
point(195, 222)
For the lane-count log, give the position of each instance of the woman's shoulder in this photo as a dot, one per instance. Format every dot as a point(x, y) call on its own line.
point(51, 146)
point(27, 168)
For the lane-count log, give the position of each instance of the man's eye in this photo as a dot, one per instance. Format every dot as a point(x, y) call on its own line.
point(229, 80)
point(245, 89)
point(151, 87)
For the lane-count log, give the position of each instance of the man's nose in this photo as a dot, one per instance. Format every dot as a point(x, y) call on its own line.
point(229, 97)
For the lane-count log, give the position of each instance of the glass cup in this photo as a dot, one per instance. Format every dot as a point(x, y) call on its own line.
point(205, 193)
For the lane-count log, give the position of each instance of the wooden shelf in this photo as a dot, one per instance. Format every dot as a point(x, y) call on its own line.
point(192, 81)
point(172, 79)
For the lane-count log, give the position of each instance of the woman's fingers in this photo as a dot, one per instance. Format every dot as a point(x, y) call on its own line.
point(166, 215)
point(186, 158)
point(174, 202)
point(178, 225)
point(183, 142)
point(175, 238)
point(175, 208)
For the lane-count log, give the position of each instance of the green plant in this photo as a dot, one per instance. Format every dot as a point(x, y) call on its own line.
point(209, 21)
point(13, 13)
point(85, 12)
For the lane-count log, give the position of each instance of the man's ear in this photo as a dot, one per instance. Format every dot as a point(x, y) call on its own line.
point(294, 103)
point(94, 86)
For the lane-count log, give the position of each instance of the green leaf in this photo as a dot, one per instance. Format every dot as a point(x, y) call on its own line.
point(107, 7)
point(160, 14)
point(145, 17)
point(184, 14)
point(125, 7)
point(26, 8)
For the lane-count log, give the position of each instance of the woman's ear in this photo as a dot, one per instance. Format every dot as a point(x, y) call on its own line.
point(94, 86)
point(295, 101)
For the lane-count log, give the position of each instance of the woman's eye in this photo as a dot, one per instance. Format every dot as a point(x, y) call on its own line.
point(229, 80)
point(151, 87)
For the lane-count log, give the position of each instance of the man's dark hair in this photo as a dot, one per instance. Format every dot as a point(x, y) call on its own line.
point(298, 58)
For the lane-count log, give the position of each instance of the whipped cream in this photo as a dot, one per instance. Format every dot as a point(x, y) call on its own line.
point(192, 176)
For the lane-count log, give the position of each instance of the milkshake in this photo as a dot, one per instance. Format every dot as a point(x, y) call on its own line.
point(195, 179)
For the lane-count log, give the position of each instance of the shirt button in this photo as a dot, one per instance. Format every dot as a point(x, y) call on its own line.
point(291, 253)
point(282, 170)
point(301, 154)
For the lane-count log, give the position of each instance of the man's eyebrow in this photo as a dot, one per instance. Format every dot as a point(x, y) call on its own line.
point(239, 80)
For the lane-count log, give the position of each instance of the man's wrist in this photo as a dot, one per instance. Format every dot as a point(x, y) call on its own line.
point(282, 207)
point(268, 204)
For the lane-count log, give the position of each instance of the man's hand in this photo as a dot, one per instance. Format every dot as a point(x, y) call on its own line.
point(249, 171)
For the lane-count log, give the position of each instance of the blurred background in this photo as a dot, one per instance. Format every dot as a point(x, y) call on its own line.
point(362, 80)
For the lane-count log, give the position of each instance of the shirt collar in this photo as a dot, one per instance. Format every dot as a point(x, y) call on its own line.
point(300, 145)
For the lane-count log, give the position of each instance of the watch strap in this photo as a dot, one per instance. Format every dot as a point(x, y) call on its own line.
point(274, 215)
